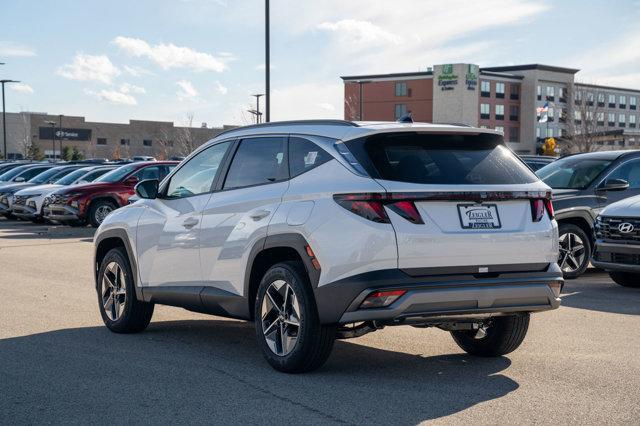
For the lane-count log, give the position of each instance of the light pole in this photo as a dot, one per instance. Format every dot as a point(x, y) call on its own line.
point(4, 117)
point(267, 64)
point(61, 134)
point(258, 113)
point(53, 137)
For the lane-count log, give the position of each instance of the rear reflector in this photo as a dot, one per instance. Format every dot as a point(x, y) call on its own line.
point(408, 210)
point(381, 299)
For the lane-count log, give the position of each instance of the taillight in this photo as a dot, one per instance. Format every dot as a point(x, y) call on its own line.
point(539, 206)
point(381, 299)
point(371, 206)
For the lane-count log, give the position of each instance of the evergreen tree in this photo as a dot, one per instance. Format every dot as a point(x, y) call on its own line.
point(67, 153)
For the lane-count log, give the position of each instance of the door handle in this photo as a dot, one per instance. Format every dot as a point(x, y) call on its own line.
point(190, 222)
point(259, 214)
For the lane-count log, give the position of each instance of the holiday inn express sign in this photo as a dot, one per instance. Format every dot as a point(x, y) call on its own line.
point(447, 80)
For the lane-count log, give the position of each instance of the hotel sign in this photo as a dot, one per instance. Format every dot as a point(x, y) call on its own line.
point(447, 80)
point(471, 78)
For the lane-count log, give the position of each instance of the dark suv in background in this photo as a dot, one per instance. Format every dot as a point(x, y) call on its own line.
point(584, 184)
point(92, 202)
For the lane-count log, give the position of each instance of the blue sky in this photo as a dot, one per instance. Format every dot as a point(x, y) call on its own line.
point(166, 60)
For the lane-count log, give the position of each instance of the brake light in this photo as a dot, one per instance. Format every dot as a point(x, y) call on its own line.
point(381, 299)
point(408, 210)
point(537, 209)
point(368, 206)
point(549, 205)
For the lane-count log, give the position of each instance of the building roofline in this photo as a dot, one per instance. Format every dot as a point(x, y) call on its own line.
point(392, 75)
point(600, 86)
point(501, 74)
point(526, 67)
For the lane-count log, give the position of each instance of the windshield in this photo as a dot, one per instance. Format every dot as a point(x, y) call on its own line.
point(47, 175)
point(118, 174)
point(71, 177)
point(572, 172)
point(13, 173)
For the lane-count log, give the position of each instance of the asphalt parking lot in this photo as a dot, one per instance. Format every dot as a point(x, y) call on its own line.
point(59, 364)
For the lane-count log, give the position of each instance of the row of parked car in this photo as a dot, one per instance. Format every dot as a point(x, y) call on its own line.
point(596, 197)
point(72, 193)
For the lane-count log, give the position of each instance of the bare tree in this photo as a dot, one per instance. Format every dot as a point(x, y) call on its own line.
point(352, 108)
point(585, 119)
point(24, 135)
point(185, 137)
point(165, 142)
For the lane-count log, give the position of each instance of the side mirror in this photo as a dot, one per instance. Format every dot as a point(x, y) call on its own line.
point(614, 185)
point(147, 189)
point(131, 180)
point(19, 179)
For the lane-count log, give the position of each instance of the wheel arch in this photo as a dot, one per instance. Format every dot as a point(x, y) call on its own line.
point(108, 240)
point(581, 219)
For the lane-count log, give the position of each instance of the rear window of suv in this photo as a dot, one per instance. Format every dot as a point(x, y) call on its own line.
point(443, 159)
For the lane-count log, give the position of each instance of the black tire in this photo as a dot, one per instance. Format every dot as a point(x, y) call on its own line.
point(503, 335)
point(314, 340)
point(136, 315)
point(625, 279)
point(569, 228)
point(96, 207)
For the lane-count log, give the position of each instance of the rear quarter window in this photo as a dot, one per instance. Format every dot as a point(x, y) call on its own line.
point(475, 159)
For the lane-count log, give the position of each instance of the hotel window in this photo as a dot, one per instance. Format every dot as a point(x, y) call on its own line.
point(147, 142)
point(590, 98)
point(539, 92)
point(562, 95)
point(102, 141)
point(632, 121)
point(632, 102)
point(485, 88)
point(551, 93)
point(499, 112)
point(125, 142)
point(500, 90)
point(514, 90)
point(562, 115)
point(611, 119)
point(612, 101)
point(538, 132)
point(514, 112)
point(401, 109)
point(589, 116)
point(577, 97)
point(600, 117)
point(600, 99)
point(623, 101)
point(622, 120)
point(500, 129)
point(513, 134)
point(577, 117)
point(485, 113)
point(549, 133)
point(401, 89)
point(484, 126)
point(550, 115)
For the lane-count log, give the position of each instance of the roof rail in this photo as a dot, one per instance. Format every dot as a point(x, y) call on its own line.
point(456, 124)
point(292, 123)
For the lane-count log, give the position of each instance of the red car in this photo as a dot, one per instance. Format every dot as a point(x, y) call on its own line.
point(92, 202)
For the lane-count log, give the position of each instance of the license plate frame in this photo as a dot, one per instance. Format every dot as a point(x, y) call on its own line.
point(479, 216)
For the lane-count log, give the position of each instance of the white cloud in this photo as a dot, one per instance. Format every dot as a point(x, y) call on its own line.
point(130, 88)
point(221, 89)
point(187, 91)
point(89, 68)
point(168, 56)
point(263, 66)
point(21, 88)
point(360, 32)
point(114, 97)
point(136, 71)
point(10, 48)
point(310, 100)
point(327, 106)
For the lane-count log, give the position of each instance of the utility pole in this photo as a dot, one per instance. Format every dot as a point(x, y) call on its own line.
point(4, 117)
point(60, 130)
point(267, 64)
point(258, 113)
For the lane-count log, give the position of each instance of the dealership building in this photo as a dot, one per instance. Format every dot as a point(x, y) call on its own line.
point(507, 98)
point(160, 139)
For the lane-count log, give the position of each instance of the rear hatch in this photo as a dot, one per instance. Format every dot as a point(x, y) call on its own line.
point(460, 202)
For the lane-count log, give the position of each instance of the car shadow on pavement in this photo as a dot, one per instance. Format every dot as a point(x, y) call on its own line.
point(212, 371)
point(27, 231)
point(597, 292)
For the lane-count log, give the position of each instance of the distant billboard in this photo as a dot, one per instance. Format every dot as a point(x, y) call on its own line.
point(64, 133)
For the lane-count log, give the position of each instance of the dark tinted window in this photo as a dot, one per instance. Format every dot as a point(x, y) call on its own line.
point(257, 161)
point(629, 171)
point(440, 159)
point(305, 155)
point(30, 173)
point(574, 172)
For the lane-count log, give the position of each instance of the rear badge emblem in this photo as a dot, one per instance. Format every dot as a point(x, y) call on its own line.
point(483, 269)
point(625, 227)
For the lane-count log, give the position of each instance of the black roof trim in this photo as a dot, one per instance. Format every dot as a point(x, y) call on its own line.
point(291, 123)
point(501, 74)
point(525, 67)
point(599, 86)
point(393, 75)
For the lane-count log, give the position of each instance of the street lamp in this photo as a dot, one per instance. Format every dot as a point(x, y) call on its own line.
point(258, 113)
point(61, 133)
point(267, 63)
point(4, 118)
point(53, 137)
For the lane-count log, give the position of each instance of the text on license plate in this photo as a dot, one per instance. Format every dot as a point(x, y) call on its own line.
point(479, 216)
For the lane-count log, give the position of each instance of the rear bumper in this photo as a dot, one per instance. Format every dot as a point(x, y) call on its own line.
point(443, 295)
point(61, 212)
point(617, 257)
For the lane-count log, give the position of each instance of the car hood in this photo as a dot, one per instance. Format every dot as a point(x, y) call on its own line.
point(15, 187)
point(38, 189)
point(629, 207)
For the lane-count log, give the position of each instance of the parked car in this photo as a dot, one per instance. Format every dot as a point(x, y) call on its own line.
point(331, 229)
point(22, 173)
point(536, 162)
point(8, 188)
point(5, 167)
point(583, 185)
point(143, 158)
point(27, 203)
point(92, 202)
point(618, 241)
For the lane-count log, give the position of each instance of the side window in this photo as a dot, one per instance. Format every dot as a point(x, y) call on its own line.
point(256, 162)
point(305, 155)
point(28, 174)
point(196, 176)
point(151, 172)
point(630, 172)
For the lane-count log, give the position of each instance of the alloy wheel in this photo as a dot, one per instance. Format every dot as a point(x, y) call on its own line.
point(102, 212)
point(572, 252)
point(281, 317)
point(114, 294)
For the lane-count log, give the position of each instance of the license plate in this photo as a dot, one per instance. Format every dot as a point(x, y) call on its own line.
point(479, 216)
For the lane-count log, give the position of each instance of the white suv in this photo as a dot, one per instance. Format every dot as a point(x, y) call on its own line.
point(330, 229)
